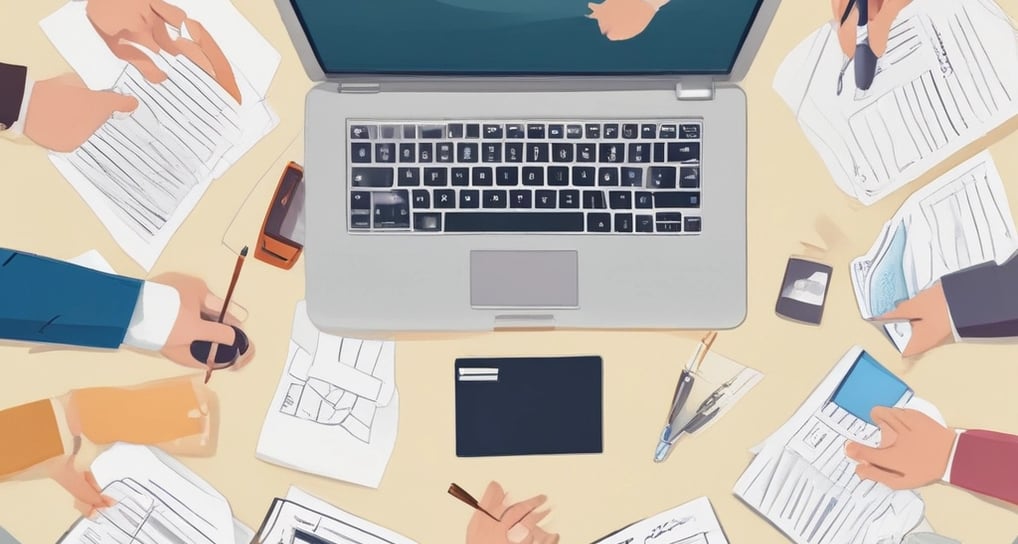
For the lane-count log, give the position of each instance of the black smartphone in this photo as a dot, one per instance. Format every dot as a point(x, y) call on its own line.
point(804, 291)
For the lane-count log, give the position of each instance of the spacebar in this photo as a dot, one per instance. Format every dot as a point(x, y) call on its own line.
point(514, 222)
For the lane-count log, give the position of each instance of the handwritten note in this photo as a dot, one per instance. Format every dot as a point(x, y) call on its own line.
point(690, 523)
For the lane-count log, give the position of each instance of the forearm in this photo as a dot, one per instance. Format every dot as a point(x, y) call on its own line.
point(983, 300)
point(986, 462)
point(34, 437)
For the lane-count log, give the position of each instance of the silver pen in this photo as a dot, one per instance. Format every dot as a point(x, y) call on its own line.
point(671, 431)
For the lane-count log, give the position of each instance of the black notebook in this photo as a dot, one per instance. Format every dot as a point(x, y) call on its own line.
point(528, 406)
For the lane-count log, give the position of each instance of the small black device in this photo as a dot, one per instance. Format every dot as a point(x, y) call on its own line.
point(804, 291)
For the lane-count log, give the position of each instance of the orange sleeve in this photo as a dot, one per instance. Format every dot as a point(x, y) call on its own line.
point(29, 435)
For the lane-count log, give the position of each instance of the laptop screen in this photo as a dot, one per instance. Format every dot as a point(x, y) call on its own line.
point(526, 37)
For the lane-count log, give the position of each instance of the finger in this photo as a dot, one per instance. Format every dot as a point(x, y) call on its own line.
point(535, 517)
point(139, 60)
point(867, 455)
point(217, 333)
point(116, 102)
point(493, 497)
point(168, 12)
point(519, 535)
point(846, 32)
point(518, 511)
point(903, 311)
point(880, 28)
point(90, 480)
point(874, 8)
point(891, 418)
point(221, 69)
point(163, 39)
point(879, 475)
point(838, 9)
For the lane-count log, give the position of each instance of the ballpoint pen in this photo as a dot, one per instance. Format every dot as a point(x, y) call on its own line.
point(671, 431)
point(865, 59)
point(708, 408)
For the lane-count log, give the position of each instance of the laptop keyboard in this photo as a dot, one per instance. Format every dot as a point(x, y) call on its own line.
point(615, 177)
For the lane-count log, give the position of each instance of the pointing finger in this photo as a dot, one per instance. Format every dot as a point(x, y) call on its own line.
point(867, 455)
point(493, 497)
point(889, 418)
point(518, 511)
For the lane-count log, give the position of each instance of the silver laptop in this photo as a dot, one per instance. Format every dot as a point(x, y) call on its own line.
point(489, 164)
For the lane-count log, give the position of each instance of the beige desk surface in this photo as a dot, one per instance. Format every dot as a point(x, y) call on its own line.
point(789, 189)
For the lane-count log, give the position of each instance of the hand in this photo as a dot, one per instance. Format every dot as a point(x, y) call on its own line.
point(143, 22)
point(621, 19)
point(518, 525)
point(63, 112)
point(929, 317)
point(881, 14)
point(197, 320)
point(914, 449)
point(81, 484)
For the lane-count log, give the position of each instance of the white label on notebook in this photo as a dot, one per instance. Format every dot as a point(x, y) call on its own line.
point(478, 371)
point(479, 378)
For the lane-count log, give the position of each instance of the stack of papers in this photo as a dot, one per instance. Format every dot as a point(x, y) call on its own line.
point(949, 76)
point(960, 220)
point(159, 501)
point(143, 174)
point(804, 484)
point(336, 409)
point(692, 523)
point(304, 519)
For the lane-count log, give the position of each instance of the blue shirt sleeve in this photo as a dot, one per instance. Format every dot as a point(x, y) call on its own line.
point(52, 301)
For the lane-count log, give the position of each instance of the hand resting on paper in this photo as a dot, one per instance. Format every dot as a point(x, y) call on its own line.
point(62, 112)
point(929, 317)
point(881, 16)
point(518, 525)
point(914, 449)
point(122, 23)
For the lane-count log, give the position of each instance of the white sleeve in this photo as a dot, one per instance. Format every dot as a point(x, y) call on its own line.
point(950, 460)
point(19, 126)
point(154, 316)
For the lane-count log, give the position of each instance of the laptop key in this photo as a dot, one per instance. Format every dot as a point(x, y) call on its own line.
point(360, 152)
point(520, 198)
point(620, 200)
point(612, 152)
point(593, 131)
point(556, 132)
point(421, 198)
point(661, 177)
point(693, 224)
point(583, 176)
point(460, 177)
point(689, 132)
point(669, 227)
point(674, 199)
point(361, 132)
point(507, 175)
point(608, 176)
point(631, 177)
point(491, 152)
point(689, 177)
point(371, 177)
point(432, 132)
point(683, 151)
point(514, 152)
point(623, 222)
point(360, 200)
point(599, 222)
point(537, 152)
point(535, 132)
point(387, 132)
point(445, 198)
point(659, 152)
point(391, 209)
point(586, 152)
point(470, 198)
point(562, 152)
point(466, 152)
point(648, 131)
point(361, 220)
point(428, 222)
point(546, 199)
point(644, 223)
point(668, 132)
point(574, 132)
point(426, 151)
point(533, 176)
point(410, 131)
point(668, 217)
point(409, 177)
point(473, 130)
point(482, 176)
point(639, 152)
point(593, 200)
point(514, 222)
point(436, 177)
point(569, 198)
point(454, 130)
point(630, 131)
point(611, 131)
point(558, 176)
point(515, 132)
point(492, 132)
point(443, 152)
point(644, 200)
point(385, 152)
point(407, 152)
point(495, 199)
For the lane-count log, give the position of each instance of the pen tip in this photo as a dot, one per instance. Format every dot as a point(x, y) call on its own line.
point(243, 252)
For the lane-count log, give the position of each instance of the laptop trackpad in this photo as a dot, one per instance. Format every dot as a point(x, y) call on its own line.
point(530, 279)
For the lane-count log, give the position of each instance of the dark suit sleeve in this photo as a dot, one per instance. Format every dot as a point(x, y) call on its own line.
point(987, 462)
point(12, 92)
point(983, 300)
point(46, 300)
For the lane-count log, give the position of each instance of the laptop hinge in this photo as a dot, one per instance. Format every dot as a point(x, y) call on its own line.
point(695, 89)
point(359, 88)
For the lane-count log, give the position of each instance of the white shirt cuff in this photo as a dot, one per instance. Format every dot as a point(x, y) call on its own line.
point(154, 316)
point(954, 331)
point(950, 460)
point(19, 126)
point(66, 438)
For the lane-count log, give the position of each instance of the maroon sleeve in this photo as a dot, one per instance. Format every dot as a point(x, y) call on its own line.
point(12, 92)
point(986, 462)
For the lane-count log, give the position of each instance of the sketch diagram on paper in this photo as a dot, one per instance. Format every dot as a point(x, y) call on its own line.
point(336, 410)
point(142, 515)
point(337, 386)
point(949, 76)
point(692, 523)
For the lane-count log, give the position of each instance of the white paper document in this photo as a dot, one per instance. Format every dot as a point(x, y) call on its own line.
point(804, 484)
point(301, 518)
point(718, 374)
point(159, 501)
point(692, 523)
point(960, 220)
point(949, 76)
point(336, 410)
point(143, 173)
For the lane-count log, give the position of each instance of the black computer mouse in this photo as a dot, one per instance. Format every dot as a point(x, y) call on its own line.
point(225, 355)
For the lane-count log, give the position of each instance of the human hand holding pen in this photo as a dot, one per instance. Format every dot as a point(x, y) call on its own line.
point(515, 524)
point(880, 15)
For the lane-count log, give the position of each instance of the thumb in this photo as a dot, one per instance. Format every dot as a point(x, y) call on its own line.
point(901, 312)
point(116, 102)
point(866, 454)
point(212, 331)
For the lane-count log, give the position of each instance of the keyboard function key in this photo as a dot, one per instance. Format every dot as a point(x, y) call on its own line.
point(630, 131)
point(648, 131)
point(432, 132)
point(409, 132)
point(515, 131)
point(492, 132)
point(362, 132)
point(455, 130)
point(593, 131)
point(387, 132)
point(535, 132)
point(668, 132)
point(611, 131)
point(473, 130)
point(556, 132)
point(689, 132)
point(574, 132)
